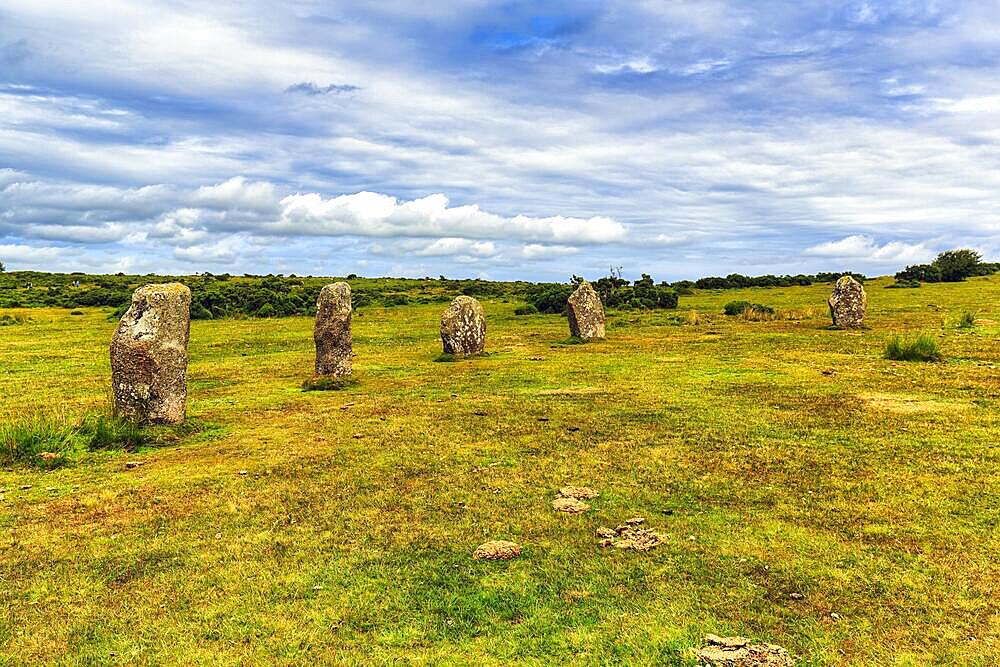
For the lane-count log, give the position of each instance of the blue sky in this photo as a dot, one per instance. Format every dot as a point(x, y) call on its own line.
point(497, 139)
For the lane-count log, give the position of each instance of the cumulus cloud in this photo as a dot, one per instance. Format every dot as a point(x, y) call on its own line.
point(866, 248)
point(373, 214)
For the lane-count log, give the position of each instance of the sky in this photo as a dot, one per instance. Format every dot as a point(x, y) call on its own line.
point(504, 140)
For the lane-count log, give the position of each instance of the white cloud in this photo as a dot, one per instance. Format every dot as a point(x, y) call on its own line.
point(373, 214)
point(539, 251)
point(863, 247)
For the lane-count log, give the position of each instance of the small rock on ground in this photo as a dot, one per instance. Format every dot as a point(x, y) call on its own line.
point(578, 492)
point(740, 652)
point(497, 550)
point(629, 536)
point(569, 505)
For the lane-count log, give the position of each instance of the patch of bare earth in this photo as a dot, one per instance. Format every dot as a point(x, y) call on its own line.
point(905, 404)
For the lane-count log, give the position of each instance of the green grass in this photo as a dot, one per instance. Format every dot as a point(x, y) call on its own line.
point(967, 320)
point(288, 527)
point(922, 347)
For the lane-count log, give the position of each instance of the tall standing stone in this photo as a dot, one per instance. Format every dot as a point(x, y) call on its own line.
point(848, 303)
point(149, 355)
point(586, 313)
point(333, 331)
point(463, 327)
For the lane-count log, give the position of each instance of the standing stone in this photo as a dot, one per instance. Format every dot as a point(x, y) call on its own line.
point(848, 303)
point(586, 314)
point(463, 327)
point(333, 331)
point(149, 355)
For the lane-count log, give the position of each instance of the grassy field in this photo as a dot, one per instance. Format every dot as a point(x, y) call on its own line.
point(812, 493)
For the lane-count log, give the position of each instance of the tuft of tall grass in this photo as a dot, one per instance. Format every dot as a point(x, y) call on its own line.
point(967, 320)
point(921, 348)
point(49, 440)
point(43, 440)
point(111, 432)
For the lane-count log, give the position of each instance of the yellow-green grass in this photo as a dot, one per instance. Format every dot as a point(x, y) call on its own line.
point(778, 458)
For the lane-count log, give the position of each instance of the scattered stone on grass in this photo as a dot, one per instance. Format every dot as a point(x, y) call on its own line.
point(740, 652)
point(497, 550)
point(848, 303)
point(629, 536)
point(578, 492)
point(536, 358)
point(149, 355)
point(131, 465)
point(569, 499)
point(569, 505)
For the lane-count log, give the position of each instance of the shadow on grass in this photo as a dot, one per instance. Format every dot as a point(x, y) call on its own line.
point(444, 357)
point(321, 383)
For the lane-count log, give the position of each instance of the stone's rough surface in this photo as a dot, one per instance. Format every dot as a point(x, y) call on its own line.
point(848, 303)
point(463, 327)
point(739, 652)
point(586, 313)
point(149, 355)
point(578, 492)
point(333, 331)
point(497, 550)
point(569, 505)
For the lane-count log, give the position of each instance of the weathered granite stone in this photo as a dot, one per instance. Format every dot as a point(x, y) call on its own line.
point(741, 652)
point(848, 303)
point(333, 331)
point(586, 314)
point(463, 327)
point(149, 355)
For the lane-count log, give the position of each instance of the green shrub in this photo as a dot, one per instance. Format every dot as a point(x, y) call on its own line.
point(904, 284)
point(921, 348)
point(527, 309)
point(967, 320)
point(739, 307)
point(11, 320)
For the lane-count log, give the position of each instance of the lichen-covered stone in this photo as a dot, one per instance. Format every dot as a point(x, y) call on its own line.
point(497, 550)
point(463, 327)
point(848, 303)
point(586, 313)
point(149, 355)
point(333, 331)
point(741, 652)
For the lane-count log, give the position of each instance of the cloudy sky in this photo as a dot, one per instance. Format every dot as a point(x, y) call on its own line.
point(497, 139)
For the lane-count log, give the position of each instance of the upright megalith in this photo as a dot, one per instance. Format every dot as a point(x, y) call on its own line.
point(149, 355)
point(333, 331)
point(586, 313)
point(463, 327)
point(848, 303)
